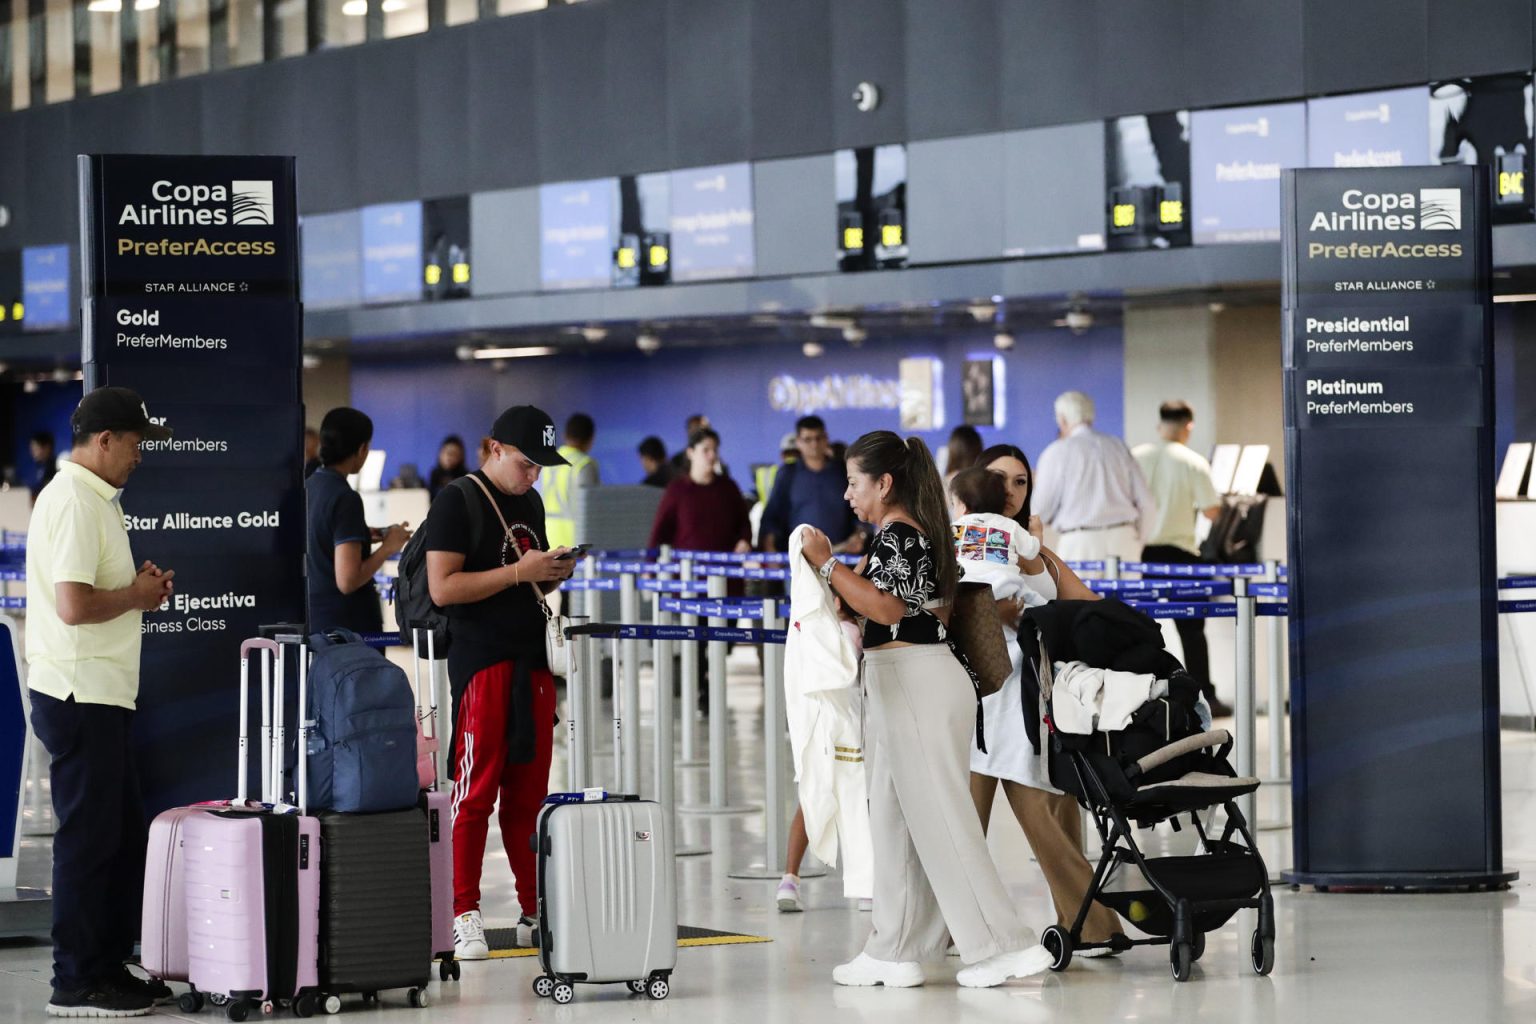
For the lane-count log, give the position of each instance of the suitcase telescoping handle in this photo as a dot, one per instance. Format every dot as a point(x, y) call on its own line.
point(242, 774)
point(279, 735)
point(432, 731)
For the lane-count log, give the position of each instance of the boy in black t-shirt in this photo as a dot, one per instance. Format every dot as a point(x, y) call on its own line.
point(491, 586)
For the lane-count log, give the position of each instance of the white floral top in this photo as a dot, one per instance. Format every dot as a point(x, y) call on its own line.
point(901, 563)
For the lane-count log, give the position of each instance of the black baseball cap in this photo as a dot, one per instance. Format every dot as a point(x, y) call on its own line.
point(531, 431)
point(116, 409)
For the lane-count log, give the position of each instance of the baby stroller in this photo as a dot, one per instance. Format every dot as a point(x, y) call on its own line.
point(1162, 766)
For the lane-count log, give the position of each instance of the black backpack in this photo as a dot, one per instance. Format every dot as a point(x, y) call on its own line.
point(414, 607)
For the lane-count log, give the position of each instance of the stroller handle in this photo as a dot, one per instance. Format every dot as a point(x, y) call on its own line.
point(1188, 745)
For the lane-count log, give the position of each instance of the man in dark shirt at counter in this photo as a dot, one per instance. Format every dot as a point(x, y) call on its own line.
point(341, 557)
point(811, 491)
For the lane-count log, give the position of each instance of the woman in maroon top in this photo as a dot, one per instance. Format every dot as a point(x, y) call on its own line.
point(704, 510)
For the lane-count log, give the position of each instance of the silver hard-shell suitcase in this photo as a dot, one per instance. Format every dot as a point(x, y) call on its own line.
point(607, 895)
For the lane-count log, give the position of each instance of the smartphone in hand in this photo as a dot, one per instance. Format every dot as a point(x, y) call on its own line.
point(578, 551)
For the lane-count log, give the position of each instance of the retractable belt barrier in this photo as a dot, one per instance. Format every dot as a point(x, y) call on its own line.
point(701, 634)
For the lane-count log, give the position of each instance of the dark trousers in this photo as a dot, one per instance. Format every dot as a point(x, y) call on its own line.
point(98, 850)
point(1197, 657)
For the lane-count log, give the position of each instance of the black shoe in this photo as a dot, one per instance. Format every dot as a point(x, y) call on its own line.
point(99, 1001)
point(1219, 708)
point(126, 981)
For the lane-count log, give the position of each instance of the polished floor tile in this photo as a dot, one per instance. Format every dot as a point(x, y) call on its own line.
point(1437, 959)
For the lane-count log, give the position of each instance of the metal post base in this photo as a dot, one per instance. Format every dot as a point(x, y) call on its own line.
point(759, 872)
point(690, 851)
point(695, 763)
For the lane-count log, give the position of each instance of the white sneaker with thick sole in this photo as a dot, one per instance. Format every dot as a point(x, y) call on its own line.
point(469, 937)
point(788, 895)
point(995, 970)
point(864, 970)
point(527, 932)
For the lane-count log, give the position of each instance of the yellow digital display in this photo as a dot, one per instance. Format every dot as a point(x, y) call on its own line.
point(1125, 215)
point(891, 235)
point(461, 273)
point(1170, 211)
point(2, 312)
point(1511, 183)
point(18, 311)
point(659, 255)
point(626, 258)
point(853, 239)
point(434, 274)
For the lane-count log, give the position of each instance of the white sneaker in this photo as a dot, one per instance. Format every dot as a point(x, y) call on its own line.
point(469, 937)
point(788, 895)
point(527, 932)
point(995, 970)
point(865, 970)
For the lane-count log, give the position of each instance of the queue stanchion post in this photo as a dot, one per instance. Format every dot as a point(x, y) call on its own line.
point(1112, 567)
point(1277, 687)
point(1246, 669)
point(719, 718)
point(690, 685)
point(629, 676)
point(666, 762)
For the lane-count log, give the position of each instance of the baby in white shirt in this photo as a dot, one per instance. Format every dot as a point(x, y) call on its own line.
point(990, 547)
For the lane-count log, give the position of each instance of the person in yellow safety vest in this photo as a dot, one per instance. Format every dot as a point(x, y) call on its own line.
point(561, 482)
point(765, 475)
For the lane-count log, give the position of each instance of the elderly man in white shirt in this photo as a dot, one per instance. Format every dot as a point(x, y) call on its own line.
point(1090, 490)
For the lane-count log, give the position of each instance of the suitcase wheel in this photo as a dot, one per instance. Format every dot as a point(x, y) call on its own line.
point(449, 968)
point(637, 987)
point(332, 1005)
point(191, 1002)
point(543, 986)
point(659, 988)
point(237, 1010)
point(417, 997)
point(305, 1005)
point(218, 999)
point(563, 992)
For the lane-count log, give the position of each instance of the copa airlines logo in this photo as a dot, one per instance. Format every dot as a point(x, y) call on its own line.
point(252, 202)
point(1430, 209)
point(245, 203)
point(1259, 127)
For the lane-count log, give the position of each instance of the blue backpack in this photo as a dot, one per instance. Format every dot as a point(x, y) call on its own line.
point(362, 743)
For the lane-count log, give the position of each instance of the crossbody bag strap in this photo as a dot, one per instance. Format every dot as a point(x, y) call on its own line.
point(506, 532)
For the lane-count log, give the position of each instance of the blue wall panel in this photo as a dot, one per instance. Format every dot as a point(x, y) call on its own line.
point(631, 396)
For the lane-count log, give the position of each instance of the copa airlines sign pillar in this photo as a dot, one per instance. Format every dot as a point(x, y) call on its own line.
point(1389, 452)
point(191, 298)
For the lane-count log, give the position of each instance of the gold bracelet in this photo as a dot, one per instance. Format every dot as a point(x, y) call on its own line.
point(516, 581)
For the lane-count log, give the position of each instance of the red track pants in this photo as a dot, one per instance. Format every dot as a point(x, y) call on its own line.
point(484, 773)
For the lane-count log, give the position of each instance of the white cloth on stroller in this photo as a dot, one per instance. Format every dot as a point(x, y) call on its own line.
point(1088, 700)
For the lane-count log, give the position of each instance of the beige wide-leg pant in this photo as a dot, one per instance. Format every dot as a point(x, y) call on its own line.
point(934, 877)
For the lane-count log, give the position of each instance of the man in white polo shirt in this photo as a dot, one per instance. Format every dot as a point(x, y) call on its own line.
point(85, 600)
point(1180, 480)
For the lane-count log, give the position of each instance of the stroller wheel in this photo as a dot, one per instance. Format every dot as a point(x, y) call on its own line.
point(1263, 954)
point(1198, 946)
point(1058, 942)
point(1181, 959)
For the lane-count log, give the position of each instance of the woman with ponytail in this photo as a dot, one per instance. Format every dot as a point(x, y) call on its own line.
point(934, 878)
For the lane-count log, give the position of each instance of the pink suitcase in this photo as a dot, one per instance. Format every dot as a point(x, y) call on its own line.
point(164, 929)
point(439, 807)
point(252, 879)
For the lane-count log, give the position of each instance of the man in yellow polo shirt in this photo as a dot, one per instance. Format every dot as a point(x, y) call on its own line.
point(85, 600)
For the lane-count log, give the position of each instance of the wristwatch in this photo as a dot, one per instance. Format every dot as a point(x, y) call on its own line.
point(826, 570)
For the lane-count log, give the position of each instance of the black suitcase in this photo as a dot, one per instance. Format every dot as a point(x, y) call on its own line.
point(375, 903)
